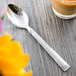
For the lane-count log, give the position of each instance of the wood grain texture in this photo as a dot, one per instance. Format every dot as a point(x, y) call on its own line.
point(58, 33)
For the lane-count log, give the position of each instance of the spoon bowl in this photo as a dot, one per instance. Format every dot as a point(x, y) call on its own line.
point(17, 16)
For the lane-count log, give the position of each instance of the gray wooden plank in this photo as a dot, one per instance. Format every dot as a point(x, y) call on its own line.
point(29, 44)
point(58, 33)
point(56, 36)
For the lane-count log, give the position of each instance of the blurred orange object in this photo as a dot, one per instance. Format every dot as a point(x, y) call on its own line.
point(12, 58)
point(64, 7)
point(69, 0)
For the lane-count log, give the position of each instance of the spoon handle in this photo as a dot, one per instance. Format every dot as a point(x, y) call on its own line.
point(50, 51)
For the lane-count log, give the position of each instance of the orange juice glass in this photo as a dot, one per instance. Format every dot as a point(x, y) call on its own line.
point(65, 9)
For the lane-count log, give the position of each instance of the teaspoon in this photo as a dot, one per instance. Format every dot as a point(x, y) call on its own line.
point(19, 18)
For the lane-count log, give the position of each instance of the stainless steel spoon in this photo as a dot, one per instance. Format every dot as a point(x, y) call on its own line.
point(19, 18)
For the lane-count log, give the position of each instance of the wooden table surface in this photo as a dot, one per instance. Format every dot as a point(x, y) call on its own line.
point(58, 33)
